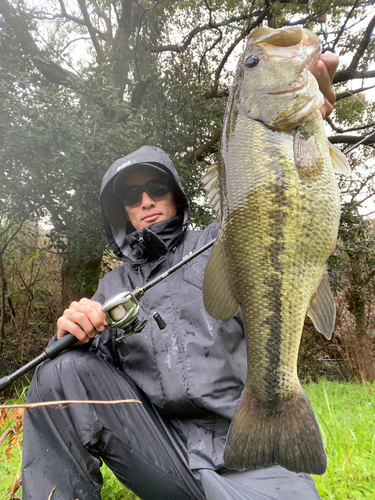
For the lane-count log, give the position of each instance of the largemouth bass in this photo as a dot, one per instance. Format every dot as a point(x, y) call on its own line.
point(277, 200)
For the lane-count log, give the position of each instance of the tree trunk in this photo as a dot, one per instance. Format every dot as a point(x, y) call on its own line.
point(359, 303)
point(361, 350)
point(79, 279)
point(366, 365)
point(2, 303)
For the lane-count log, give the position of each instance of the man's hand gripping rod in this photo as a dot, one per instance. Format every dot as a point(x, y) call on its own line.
point(121, 311)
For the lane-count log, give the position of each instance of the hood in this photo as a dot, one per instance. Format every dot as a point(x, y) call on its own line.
point(116, 226)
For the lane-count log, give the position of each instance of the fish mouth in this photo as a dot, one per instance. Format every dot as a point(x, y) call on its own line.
point(284, 38)
point(297, 41)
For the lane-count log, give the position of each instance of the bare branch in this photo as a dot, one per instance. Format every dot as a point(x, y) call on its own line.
point(346, 75)
point(199, 29)
point(364, 139)
point(213, 92)
point(362, 46)
point(11, 238)
point(362, 185)
point(218, 40)
point(349, 93)
point(73, 41)
point(106, 20)
point(368, 214)
point(50, 70)
point(11, 224)
point(363, 199)
point(139, 32)
point(89, 26)
point(200, 152)
point(342, 29)
point(70, 401)
point(344, 131)
point(77, 20)
point(349, 139)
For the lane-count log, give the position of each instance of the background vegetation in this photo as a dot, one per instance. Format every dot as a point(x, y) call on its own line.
point(84, 82)
point(345, 412)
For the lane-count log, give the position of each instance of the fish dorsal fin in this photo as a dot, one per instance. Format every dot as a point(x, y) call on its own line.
point(210, 181)
point(307, 156)
point(218, 296)
point(339, 160)
point(322, 308)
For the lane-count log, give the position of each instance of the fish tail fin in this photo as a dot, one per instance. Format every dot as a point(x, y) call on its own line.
point(289, 437)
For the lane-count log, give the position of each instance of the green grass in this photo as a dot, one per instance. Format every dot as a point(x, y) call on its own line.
point(11, 456)
point(113, 489)
point(11, 447)
point(346, 415)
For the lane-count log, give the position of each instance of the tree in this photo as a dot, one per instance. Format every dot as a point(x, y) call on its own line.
point(85, 82)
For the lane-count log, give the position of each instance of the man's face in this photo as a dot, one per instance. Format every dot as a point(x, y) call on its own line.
point(149, 210)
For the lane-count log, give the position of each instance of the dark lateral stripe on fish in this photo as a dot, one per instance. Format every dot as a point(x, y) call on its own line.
point(273, 346)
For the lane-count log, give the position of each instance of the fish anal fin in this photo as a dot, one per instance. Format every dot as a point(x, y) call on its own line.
point(307, 157)
point(339, 161)
point(219, 299)
point(322, 308)
point(289, 437)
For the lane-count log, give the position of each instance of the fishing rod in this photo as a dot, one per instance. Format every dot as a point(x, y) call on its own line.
point(121, 311)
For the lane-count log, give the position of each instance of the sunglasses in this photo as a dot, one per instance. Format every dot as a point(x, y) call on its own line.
point(157, 188)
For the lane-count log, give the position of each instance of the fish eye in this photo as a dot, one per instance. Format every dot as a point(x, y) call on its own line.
point(251, 62)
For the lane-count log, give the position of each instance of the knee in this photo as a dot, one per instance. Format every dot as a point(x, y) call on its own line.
point(53, 376)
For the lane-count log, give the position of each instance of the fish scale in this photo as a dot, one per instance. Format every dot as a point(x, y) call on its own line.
point(279, 214)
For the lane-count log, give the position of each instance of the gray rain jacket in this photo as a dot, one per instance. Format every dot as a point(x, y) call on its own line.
point(194, 370)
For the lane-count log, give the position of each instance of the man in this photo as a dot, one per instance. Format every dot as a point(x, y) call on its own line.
point(188, 376)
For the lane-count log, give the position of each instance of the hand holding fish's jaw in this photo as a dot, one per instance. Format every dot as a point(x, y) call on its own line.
point(324, 71)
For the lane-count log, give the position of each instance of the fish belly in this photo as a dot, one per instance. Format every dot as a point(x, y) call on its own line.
point(278, 229)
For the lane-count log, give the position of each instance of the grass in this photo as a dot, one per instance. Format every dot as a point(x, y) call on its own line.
point(11, 448)
point(346, 415)
point(11, 456)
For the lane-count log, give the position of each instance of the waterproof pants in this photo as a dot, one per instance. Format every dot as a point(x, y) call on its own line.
point(65, 446)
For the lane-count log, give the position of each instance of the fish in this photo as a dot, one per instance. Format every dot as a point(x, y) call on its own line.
point(276, 196)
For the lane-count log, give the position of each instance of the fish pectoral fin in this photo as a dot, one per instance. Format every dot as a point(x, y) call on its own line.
point(322, 308)
point(307, 156)
point(339, 160)
point(210, 182)
point(218, 297)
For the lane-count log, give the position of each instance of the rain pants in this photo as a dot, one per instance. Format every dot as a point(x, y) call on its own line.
point(189, 378)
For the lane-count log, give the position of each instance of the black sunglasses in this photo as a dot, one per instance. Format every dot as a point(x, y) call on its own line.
point(157, 188)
